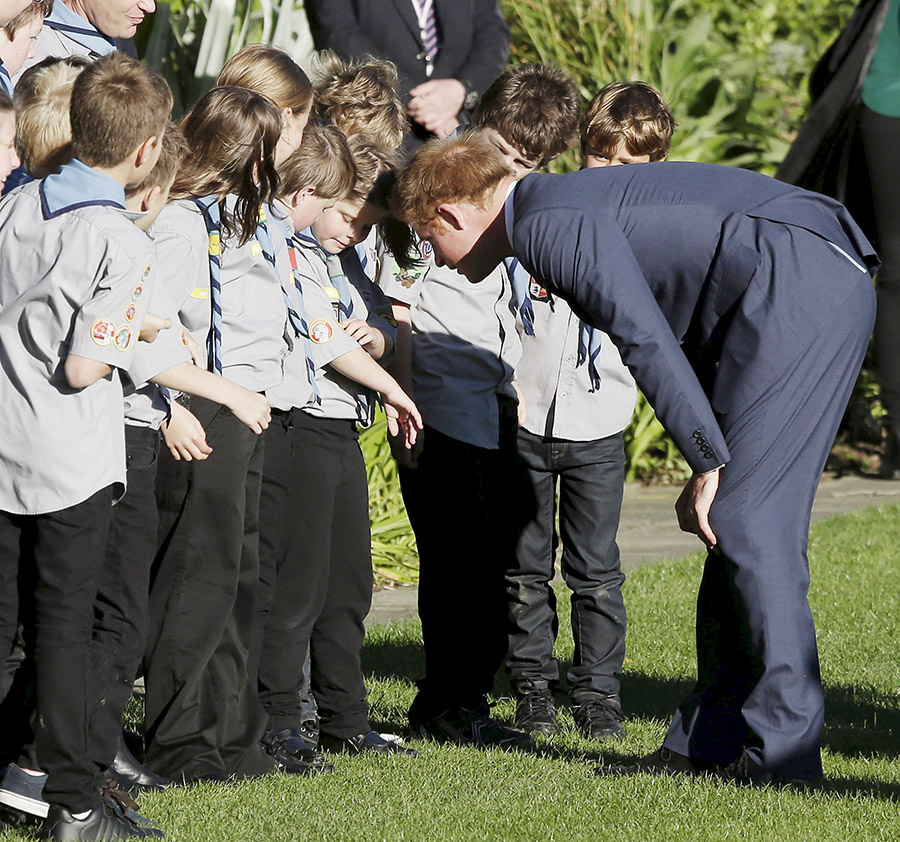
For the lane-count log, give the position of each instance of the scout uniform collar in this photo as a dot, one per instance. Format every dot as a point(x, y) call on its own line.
point(5, 82)
point(76, 185)
point(77, 29)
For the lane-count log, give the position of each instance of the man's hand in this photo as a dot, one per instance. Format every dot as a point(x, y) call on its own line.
point(184, 435)
point(436, 103)
point(694, 503)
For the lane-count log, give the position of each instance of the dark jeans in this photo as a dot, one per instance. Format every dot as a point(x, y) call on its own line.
point(459, 501)
point(62, 553)
point(591, 475)
point(315, 550)
point(202, 716)
point(881, 139)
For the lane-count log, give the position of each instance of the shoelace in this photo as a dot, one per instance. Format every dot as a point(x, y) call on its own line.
point(599, 711)
point(537, 706)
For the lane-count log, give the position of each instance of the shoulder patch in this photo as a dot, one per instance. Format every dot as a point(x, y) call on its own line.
point(321, 331)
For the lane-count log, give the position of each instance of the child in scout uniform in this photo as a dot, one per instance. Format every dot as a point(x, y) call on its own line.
point(315, 516)
point(225, 272)
point(17, 40)
point(579, 398)
point(9, 158)
point(75, 282)
point(464, 349)
point(43, 97)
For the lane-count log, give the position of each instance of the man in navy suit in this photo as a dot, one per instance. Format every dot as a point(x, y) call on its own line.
point(472, 45)
point(743, 307)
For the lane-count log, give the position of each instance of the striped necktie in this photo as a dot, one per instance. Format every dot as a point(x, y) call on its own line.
point(428, 26)
point(209, 207)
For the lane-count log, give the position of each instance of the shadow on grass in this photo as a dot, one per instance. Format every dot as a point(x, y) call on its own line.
point(860, 722)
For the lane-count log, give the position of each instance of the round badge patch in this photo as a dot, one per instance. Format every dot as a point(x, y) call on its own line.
point(137, 292)
point(130, 312)
point(103, 331)
point(146, 272)
point(426, 248)
point(123, 337)
point(321, 331)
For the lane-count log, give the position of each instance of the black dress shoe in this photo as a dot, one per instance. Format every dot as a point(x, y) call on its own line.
point(598, 717)
point(292, 753)
point(363, 744)
point(536, 712)
point(103, 824)
point(131, 776)
point(661, 762)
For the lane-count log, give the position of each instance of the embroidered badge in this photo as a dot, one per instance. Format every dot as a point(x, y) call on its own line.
point(200, 292)
point(215, 243)
point(137, 292)
point(102, 331)
point(146, 272)
point(123, 337)
point(255, 248)
point(537, 292)
point(407, 277)
point(130, 312)
point(426, 249)
point(320, 331)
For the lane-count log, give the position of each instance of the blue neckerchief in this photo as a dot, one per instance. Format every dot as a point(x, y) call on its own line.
point(589, 342)
point(5, 81)
point(15, 179)
point(212, 216)
point(519, 278)
point(76, 185)
point(335, 272)
point(77, 29)
point(296, 315)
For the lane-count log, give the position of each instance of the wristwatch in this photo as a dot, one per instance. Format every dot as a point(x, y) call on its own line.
point(472, 97)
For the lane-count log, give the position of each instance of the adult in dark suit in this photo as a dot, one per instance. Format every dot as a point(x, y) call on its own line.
point(473, 45)
point(742, 307)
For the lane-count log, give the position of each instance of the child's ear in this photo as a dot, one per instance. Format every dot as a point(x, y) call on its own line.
point(149, 196)
point(304, 193)
point(145, 151)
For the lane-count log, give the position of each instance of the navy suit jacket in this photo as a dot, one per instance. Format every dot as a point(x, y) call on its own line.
point(658, 255)
point(474, 36)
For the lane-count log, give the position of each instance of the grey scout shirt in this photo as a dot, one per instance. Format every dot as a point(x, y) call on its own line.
point(465, 346)
point(560, 402)
point(255, 341)
point(75, 278)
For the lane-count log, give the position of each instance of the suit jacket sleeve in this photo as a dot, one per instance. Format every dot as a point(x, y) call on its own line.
point(587, 260)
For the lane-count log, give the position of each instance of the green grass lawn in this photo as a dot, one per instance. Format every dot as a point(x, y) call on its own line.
point(457, 794)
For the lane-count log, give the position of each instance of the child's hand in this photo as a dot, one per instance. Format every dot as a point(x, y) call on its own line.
point(251, 408)
point(371, 339)
point(184, 435)
point(403, 418)
point(196, 352)
point(151, 327)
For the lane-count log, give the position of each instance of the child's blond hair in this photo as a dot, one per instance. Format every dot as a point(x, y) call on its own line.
point(323, 161)
point(270, 72)
point(360, 97)
point(172, 152)
point(534, 107)
point(633, 112)
point(43, 97)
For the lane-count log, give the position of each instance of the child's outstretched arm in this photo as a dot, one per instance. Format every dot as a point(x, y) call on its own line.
point(250, 408)
point(402, 414)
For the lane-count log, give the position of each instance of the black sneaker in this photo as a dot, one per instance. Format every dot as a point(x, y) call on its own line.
point(309, 730)
point(292, 753)
point(130, 775)
point(662, 762)
point(471, 728)
point(364, 744)
point(536, 713)
point(599, 717)
point(23, 792)
point(104, 823)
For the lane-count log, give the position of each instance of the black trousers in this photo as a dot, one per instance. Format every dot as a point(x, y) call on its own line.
point(202, 716)
point(459, 500)
point(591, 476)
point(881, 139)
point(120, 610)
point(62, 553)
point(316, 562)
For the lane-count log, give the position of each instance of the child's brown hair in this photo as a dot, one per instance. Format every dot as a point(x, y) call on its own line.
point(323, 161)
point(43, 100)
point(173, 151)
point(231, 135)
point(633, 112)
point(534, 107)
point(117, 104)
point(360, 97)
point(39, 8)
point(271, 72)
